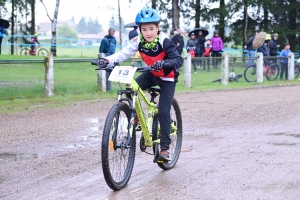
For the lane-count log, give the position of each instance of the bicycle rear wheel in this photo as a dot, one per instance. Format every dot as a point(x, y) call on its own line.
point(42, 52)
point(297, 71)
point(117, 156)
point(176, 135)
point(272, 72)
point(250, 74)
point(25, 52)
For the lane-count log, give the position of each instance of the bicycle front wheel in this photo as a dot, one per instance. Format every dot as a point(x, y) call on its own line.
point(250, 74)
point(42, 52)
point(297, 71)
point(272, 72)
point(118, 150)
point(176, 135)
point(25, 52)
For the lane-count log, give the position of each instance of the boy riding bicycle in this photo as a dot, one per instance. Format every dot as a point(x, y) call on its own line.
point(158, 51)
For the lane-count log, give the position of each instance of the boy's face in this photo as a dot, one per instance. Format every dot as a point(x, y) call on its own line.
point(208, 42)
point(149, 31)
point(287, 47)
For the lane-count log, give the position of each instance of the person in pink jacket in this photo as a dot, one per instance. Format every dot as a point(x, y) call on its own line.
point(217, 46)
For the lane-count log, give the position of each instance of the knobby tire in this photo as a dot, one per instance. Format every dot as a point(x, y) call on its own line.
point(250, 74)
point(25, 52)
point(272, 72)
point(176, 140)
point(297, 71)
point(117, 163)
point(43, 52)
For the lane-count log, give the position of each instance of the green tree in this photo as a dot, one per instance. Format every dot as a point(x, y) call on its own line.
point(66, 34)
point(81, 26)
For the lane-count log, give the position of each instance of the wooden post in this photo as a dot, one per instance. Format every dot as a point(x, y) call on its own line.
point(260, 67)
point(49, 75)
point(101, 76)
point(187, 71)
point(224, 71)
point(291, 66)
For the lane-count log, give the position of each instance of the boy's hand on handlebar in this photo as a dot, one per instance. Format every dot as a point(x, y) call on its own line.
point(102, 63)
point(158, 65)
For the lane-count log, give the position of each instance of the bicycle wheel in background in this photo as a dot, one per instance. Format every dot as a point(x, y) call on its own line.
point(272, 72)
point(297, 71)
point(250, 74)
point(25, 52)
point(42, 52)
point(176, 136)
point(117, 157)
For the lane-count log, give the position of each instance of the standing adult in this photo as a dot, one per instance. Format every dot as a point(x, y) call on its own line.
point(201, 42)
point(191, 46)
point(177, 39)
point(273, 46)
point(1, 36)
point(251, 51)
point(133, 33)
point(108, 47)
point(217, 46)
point(284, 61)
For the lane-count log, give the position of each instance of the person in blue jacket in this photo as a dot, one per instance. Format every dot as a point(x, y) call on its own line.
point(284, 61)
point(1, 36)
point(108, 47)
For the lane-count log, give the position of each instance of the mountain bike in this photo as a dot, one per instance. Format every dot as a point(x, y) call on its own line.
point(119, 132)
point(271, 71)
point(26, 51)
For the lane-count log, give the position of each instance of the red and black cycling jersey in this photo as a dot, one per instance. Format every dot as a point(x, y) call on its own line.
point(164, 50)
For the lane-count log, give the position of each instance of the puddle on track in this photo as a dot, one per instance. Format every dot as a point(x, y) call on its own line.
point(17, 157)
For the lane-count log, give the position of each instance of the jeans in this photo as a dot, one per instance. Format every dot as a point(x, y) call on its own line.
point(284, 68)
point(215, 60)
point(147, 80)
point(206, 61)
point(251, 54)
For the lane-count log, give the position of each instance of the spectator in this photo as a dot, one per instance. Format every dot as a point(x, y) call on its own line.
point(1, 36)
point(284, 61)
point(217, 46)
point(133, 33)
point(177, 39)
point(200, 50)
point(191, 46)
point(273, 46)
point(207, 51)
point(108, 47)
point(251, 51)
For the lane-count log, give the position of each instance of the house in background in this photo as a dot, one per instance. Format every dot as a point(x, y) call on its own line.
point(45, 32)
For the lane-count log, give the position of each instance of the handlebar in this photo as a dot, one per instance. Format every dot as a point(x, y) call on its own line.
point(139, 69)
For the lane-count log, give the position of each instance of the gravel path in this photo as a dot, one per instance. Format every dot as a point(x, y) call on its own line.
point(238, 144)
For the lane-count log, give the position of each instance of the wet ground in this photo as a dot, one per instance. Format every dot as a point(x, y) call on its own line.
point(242, 144)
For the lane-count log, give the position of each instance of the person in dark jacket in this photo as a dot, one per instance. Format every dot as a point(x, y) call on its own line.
point(133, 33)
point(251, 51)
point(177, 39)
point(158, 51)
point(273, 46)
point(200, 49)
point(108, 47)
point(191, 46)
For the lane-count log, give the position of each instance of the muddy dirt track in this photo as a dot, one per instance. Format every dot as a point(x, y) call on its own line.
point(242, 144)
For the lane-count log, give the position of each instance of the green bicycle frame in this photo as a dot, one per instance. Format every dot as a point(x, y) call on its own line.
point(146, 124)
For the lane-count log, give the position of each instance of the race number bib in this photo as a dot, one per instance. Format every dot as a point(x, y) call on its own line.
point(122, 74)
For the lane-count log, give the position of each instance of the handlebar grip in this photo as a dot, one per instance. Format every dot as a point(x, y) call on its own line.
point(94, 63)
point(167, 64)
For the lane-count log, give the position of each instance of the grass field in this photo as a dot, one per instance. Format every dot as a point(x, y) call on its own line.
point(22, 85)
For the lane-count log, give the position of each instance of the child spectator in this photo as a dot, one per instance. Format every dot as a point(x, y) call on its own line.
point(207, 51)
point(284, 61)
point(191, 46)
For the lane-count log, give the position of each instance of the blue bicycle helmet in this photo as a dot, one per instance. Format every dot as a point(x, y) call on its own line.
point(147, 15)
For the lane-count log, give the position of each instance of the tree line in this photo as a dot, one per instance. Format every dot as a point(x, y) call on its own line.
point(236, 20)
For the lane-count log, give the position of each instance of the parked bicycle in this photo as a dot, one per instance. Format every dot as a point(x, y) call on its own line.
point(119, 132)
point(270, 71)
point(26, 51)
